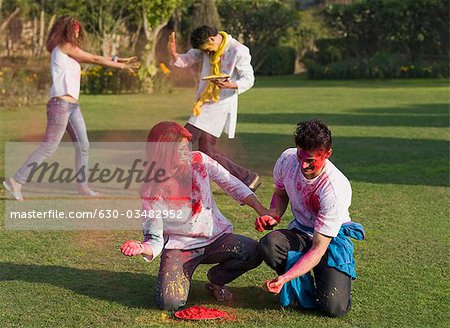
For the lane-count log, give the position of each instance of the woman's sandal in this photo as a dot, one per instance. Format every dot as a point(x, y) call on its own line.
point(220, 293)
point(88, 192)
point(16, 194)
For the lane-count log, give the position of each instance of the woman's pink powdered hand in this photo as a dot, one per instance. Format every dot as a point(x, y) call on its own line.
point(131, 248)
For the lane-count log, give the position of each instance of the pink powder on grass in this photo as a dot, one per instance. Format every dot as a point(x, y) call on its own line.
point(201, 313)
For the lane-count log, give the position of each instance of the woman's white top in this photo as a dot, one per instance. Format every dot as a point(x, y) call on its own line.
point(201, 224)
point(66, 75)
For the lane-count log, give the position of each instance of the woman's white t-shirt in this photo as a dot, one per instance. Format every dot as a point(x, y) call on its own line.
point(66, 75)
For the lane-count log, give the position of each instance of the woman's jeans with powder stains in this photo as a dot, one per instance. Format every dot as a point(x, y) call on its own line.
point(235, 255)
point(61, 116)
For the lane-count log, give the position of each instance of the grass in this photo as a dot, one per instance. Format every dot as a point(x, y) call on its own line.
point(391, 139)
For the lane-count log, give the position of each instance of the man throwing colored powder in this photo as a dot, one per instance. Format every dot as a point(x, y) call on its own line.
point(215, 109)
point(318, 237)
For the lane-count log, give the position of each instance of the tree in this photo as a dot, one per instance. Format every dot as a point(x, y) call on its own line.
point(154, 14)
point(41, 13)
point(105, 18)
point(191, 14)
point(205, 13)
point(12, 16)
point(7, 14)
point(260, 24)
point(311, 27)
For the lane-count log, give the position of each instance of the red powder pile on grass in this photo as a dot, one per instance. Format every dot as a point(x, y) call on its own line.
point(201, 313)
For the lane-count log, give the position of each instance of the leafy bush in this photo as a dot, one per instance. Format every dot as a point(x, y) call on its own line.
point(330, 51)
point(20, 86)
point(412, 27)
point(101, 80)
point(260, 24)
point(280, 61)
point(383, 39)
point(162, 81)
point(381, 66)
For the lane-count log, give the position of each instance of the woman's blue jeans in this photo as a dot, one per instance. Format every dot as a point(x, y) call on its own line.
point(61, 116)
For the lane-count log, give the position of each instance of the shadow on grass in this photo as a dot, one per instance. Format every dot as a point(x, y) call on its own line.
point(127, 288)
point(417, 109)
point(364, 159)
point(136, 290)
point(295, 81)
point(419, 115)
point(426, 115)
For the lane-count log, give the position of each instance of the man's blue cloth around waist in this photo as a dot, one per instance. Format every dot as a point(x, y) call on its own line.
point(340, 257)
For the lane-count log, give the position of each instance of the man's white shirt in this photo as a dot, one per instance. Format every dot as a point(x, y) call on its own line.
point(321, 203)
point(221, 116)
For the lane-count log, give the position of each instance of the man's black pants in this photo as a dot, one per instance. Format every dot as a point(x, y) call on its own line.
point(332, 286)
point(207, 144)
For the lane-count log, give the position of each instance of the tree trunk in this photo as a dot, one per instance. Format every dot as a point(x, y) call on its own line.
point(41, 29)
point(5, 23)
point(107, 44)
point(205, 13)
point(149, 55)
point(50, 24)
point(152, 41)
point(135, 37)
point(35, 38)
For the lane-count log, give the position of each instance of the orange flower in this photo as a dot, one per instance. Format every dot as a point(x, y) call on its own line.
point(164, 68)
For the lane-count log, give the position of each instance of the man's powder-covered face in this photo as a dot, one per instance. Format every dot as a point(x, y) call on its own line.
point(312, 162)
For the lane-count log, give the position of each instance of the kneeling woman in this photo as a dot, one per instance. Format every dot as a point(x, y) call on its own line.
point(202, 235)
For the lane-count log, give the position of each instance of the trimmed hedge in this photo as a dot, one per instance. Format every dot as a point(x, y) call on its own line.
point(280, 61)
point(101, 80)
point(383, 39)
point(381, 66)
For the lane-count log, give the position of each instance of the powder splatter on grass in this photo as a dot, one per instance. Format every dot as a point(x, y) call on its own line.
point(202, 313)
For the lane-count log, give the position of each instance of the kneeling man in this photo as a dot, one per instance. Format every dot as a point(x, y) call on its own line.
point(317, 238)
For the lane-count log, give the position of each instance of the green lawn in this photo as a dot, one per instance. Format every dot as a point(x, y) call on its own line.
point(391, 139)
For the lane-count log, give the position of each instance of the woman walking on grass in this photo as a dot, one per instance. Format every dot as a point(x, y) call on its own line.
point(63, 110)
